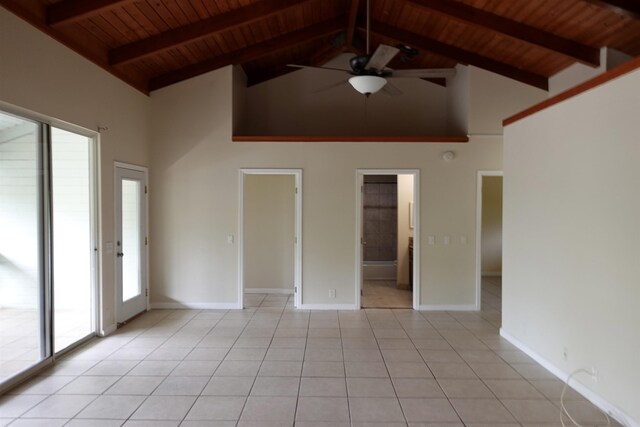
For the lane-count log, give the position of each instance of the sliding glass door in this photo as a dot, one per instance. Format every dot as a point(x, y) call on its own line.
point(22, 328)
point(47, 243)
point(73, 244)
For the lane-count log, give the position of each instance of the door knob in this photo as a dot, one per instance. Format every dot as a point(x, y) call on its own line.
point(119, 254)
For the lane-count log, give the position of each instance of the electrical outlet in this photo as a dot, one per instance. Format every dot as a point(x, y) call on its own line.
point(332, 293)
point(594, 374)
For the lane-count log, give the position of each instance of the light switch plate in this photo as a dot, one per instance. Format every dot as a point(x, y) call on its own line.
point(446, 240)
point(431, 240)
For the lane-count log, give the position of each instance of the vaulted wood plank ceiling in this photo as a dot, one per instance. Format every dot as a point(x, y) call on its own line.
point(151, 44)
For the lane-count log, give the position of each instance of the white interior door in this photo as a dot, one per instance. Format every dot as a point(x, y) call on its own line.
point(131, 245)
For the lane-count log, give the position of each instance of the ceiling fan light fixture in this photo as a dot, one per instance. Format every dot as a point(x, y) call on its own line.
point(367, 85)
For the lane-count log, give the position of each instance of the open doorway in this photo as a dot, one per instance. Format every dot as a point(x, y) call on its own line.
point(489, 246)
point(386, 271)
point(270, 238)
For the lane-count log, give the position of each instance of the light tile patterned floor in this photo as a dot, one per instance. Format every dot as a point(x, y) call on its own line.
point(385, 294)
point(20, 336)
point(271, 365)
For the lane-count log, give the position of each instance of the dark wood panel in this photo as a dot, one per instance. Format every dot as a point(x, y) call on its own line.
point(198, 30)
point(464, 56)
point(248, 54)
point(498, 35)
point(629, 8)
point(70, 11)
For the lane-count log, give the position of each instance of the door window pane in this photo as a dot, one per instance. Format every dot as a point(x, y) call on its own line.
point(131, 283)
point(21, 318)
point(72, 243)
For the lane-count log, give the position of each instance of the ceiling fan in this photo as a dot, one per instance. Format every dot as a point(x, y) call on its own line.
point(369, 73)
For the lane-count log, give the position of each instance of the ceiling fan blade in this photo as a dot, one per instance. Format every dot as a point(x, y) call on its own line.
point(391, 89)
point(381, 57)
point(331, 86)
point(425, 73)
point(318, 68)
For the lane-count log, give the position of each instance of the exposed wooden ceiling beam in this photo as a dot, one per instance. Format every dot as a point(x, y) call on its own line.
point(460, 11)
point(461, 55)
point(351, 23)
point(250, 53)
point(68, 11)
point(629, 8)
point(198, 30)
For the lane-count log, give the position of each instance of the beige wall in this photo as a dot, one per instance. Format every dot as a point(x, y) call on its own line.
point(578, 73)
point(571, 237)
point(193, 212)
point(405, 195)
point(493, 98)
point(269, 231)
point(491, 225)
point(41, 75)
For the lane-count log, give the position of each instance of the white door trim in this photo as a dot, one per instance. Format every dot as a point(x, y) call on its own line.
point(144, 170)
point(360, 173)
point(481, 175)
point(297, 272)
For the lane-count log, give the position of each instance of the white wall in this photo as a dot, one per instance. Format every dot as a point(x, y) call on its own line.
point(294, 104)
point(41, 75)
point(269, 231)
point(194, 175)
point(405, 195)
point(491, 245)
point(572, 240)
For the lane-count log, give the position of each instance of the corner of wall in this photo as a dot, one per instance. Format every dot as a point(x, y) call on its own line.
point(458, 102)
point(239, 100)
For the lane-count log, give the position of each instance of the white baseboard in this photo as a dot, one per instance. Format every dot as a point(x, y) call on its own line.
point(449, 307)
point(596, 399)
point(492, 273)
point(329, 307)
point(195, 305)
point(108, 330)
point(268, 291)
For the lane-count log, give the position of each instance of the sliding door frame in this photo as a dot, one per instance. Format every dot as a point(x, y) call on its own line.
point(45, 237)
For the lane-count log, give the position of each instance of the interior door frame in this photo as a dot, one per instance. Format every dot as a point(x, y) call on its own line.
point(145, 261)
point(297, 252)
point(360, 173)
point(481, 175)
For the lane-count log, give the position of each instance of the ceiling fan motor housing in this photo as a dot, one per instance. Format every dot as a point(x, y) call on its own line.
point(358, 63)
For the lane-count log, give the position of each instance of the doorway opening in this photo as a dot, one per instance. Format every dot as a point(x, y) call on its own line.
point(270, 238)
point(387, 276)
point(489, 246)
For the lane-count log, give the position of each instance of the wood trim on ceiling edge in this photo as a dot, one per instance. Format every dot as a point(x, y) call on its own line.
point(337, 138)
